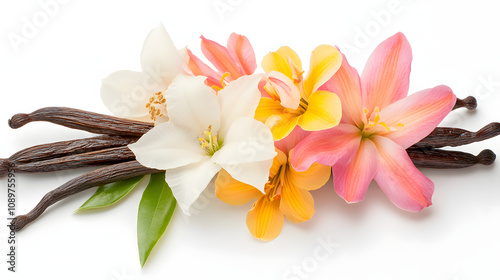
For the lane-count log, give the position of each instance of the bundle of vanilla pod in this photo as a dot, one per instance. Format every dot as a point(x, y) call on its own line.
point(116, 162)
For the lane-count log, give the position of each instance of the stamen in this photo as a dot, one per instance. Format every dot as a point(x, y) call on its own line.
point(222, 82)
point(155, 105)
point(210, 143)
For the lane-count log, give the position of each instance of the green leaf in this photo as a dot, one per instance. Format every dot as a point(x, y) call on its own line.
point(155, 210)
point(111, 193)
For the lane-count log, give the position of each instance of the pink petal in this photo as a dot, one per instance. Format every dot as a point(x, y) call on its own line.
point(279, 85)
point(221, 59)
point(347, 85)
point(241, 50)
point(399, 179)
point(385, 78)
point(289, 142)
point(201, 69)
point(326, 146)
point(420, 113)
point(352, 177)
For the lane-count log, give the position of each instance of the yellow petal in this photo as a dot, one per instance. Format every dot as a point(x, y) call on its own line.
point(232, 191)
point(312, 179)
point(325, 61)
point(296, 204)
point(276, 117)
point(278, 61)
point(324, 110)
point(279, 160)
point(265, 220)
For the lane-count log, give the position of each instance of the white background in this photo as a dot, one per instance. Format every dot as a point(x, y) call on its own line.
point(62, 63)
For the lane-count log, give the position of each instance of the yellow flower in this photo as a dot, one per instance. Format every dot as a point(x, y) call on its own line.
point(286, 193)
point(294, 100)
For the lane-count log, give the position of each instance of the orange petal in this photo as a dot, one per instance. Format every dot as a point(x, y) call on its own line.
point(265, 220)
point(313, 178)
point(296, 204)
point(201, 69)
point(279, 160)
point(241, 50)
point(232, 191)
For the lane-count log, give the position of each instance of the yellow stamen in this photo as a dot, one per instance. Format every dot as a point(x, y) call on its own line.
point(209, 142)
point(222, 82)
point(155, 104)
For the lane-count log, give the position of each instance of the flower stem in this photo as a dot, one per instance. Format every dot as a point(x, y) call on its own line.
point(83, 120)
point(453, 137)
point(98, 177)
point(443, 159)
point(94, 158)
point(65, 148)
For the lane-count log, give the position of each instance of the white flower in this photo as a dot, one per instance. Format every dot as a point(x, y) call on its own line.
point(207, 131)
point(128, 93)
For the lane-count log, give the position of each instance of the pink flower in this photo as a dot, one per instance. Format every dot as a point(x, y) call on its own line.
point(237, 60)
point(379, 121)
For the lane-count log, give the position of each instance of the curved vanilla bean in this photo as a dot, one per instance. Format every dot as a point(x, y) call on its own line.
point(99, 177)
point(469, 102)
point(443, 159)
point(94, 158)
point(64, 148)
point(83, 120)
point(453, 137)
point(4, 167)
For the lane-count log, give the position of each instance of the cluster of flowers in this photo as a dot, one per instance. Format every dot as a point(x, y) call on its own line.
point(272, 137)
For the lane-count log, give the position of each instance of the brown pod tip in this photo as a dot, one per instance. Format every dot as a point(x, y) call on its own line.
point(18, 120)
point(4, 167)
point(486, 157)
point(469, 102)
point(19, 222)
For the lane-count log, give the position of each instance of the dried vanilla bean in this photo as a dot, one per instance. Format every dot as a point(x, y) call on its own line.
point(71, 147)
point(443, 159)
point(98, 177)
point(469, 102)
point(83, 120)
point(453, 137)
point(94, 158)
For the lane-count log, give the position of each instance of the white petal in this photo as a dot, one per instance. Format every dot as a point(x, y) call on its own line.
point(255, 174)
point(122, 92)
point(192, 104)
point(247, 140)
point(239, 98)
point(188, 182)
point(167, 146)
point(160, 59)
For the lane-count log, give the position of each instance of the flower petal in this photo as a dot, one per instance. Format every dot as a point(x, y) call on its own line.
point(386, 76)
point(265, 220)
point(347, 85)
point(255, 174)
point(296, 204)
point(221, 59)
point(199, 68)
point(326, 146)
point(239, 98)
point(167, 146)
point(279, 61)
point(325, 61)
point(280, 86)
point(274, 116)
point(420, 113)
point(288, 143)
point(279, 160)
point(160, 59)
point(192, 104)
point(188, 182)
point(232, 191)
point(124, 95)
point(351, 177)
point(241, 50)
point(312, 179)
point(400, 180)
point(323, 111)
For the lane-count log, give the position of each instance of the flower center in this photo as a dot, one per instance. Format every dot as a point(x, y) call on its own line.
point(273, 188)
point(373, 125)
point(209, 142)
point(156, 106)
